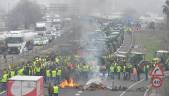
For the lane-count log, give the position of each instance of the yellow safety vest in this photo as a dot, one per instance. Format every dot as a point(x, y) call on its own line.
point(48, 73)
point(4, 78)
point(118, 68)
point(124, 68)
point(59, 73)
point(54, 73)
point(37, 69)
point(55, 89)
point(112, 68)
point(12, 73)
point(20, 71)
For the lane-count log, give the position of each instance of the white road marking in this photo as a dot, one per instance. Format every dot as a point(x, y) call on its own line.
point(80, 92)
point(77, 94)
point(131, 87)
point(146, 92)
point(2, 92)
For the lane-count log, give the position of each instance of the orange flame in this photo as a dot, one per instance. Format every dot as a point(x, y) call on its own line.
point(68, 83)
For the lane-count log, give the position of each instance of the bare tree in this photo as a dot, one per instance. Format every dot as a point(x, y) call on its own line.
point(24, 14)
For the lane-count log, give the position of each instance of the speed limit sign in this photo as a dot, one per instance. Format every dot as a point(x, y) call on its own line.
point(157, 82)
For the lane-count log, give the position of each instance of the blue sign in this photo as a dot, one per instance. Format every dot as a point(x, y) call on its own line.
point(129, 19)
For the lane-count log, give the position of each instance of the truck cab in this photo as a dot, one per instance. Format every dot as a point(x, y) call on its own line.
point(15, 42)
point(162, 57)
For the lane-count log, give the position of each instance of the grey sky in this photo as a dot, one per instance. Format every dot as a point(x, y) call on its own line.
point(140, 5)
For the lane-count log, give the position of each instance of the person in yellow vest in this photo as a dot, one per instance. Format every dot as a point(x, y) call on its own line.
point(59, 74)
point(112, 71)
point(55, 90)
point(4, 77)
point(47, 75)
point(124, 72)
point(4, 80)
point(12, 73)
point(54, 75)
point(118, 71)
point(20, 71)
point(37, 69)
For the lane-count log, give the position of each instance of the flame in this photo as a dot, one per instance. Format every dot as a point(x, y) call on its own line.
point(68, 83)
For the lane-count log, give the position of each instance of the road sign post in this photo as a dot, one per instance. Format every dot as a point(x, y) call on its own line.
point(156, 74)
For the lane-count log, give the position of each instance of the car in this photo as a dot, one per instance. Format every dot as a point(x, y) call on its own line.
point(40, 40)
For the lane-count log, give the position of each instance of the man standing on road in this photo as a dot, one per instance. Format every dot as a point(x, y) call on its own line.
point(146, 69)
point(118, 71)
point(5, 56)
point(112, 70)
point(134, 73)
point(55, 90)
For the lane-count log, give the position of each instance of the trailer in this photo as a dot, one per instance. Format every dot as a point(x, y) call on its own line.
point(25, 86)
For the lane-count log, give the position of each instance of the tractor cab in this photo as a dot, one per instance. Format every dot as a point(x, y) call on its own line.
point(121, 58)
point(162, 56)
point(136, 57)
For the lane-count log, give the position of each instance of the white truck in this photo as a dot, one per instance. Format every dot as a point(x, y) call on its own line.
point(41, 28)
point(18, 41)
point(25, 86)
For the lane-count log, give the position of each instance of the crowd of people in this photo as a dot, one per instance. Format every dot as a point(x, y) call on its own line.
point(57, 68)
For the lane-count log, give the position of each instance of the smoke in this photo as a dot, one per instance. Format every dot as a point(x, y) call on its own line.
point(91, 6)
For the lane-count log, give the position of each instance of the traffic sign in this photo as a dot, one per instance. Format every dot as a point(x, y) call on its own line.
point(157, 82)
point(157, 71)
point(129, 19)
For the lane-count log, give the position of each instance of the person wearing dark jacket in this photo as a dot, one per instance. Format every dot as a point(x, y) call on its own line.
point(50, 90)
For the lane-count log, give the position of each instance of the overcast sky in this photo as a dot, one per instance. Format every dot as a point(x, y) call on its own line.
point(141, 6)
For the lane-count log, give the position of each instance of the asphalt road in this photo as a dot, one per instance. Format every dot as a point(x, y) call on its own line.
point(134, 89)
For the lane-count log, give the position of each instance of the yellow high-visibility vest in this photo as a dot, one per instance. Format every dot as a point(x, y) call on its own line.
point(55, 89)
point(59, 73)
point(54, 73)
point(48, 73)
point(4, 78)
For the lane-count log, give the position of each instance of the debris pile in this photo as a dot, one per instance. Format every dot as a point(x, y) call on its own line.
point(94, 84)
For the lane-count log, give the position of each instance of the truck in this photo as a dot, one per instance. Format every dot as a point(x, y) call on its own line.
point(25, 86)
point(19, 41)
point(41, 28)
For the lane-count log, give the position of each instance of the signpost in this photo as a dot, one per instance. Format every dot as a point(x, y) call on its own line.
point(157, 74)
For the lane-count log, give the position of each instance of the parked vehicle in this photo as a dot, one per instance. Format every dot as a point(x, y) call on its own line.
point(40, 40)
point(18, 41)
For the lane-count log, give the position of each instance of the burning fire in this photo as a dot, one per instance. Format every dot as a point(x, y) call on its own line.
point(68, 83)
